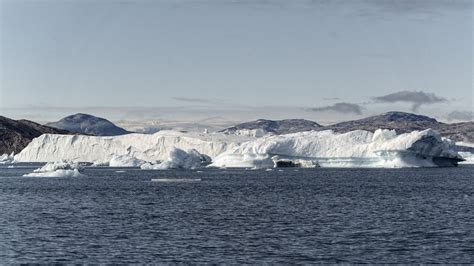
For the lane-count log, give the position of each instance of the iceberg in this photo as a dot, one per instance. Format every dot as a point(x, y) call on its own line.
point(145, 147)
point(180, 159)
point(383, 148)
point(171, 149)
point(7, 159)
point(57, 169)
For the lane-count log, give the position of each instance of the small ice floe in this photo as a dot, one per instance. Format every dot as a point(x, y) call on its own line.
point(7, 159)
point(176, 180)
point(57, 169)
point(120, 171)
point(268, 169)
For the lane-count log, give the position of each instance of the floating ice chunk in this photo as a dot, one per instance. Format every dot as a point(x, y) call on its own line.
point(289, 162)
point(176, 180)
point(99, 164)
point(57, 169)
point(243, 160)
point(7, 159)
point(468, 157)
point(180, 159)
point(125, 161)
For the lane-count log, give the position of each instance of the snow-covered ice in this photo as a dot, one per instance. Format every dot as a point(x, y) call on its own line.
point(180, 159)
point(145, 147)
point(57, 169)
point(468, 157)
point(125, 161)
point(7, 159)
point(170, 149)
point(383, 148)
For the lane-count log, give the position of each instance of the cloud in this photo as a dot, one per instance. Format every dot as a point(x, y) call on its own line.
point(416, 98)
point(331, 99)
point(194, 100)
point(419, 5)
point(461, 116)
point(345, 108)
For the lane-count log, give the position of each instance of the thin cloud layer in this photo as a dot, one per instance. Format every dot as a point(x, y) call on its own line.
point(193, 100)
point(345, 108)
point(416, 98)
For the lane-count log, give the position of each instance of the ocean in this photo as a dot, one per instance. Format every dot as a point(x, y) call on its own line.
point(322, 215)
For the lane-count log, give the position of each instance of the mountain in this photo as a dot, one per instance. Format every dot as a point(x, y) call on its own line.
point(400, 121)
point(275, 126)
point(407, 122)
point(17, 134)
point(88, 124)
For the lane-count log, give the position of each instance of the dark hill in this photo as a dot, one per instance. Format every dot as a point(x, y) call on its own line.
point(407, 122)
point(276, 126)
point(88, 124)
point(17, 134)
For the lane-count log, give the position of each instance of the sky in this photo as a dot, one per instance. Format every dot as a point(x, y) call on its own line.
point(323, 60)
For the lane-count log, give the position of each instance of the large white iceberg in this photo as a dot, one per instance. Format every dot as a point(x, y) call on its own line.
point(383, 148)
point(145, 147)
point(57, 169)
point(180, 159)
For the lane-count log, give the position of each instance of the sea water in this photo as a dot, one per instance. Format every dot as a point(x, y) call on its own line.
point(117, 215)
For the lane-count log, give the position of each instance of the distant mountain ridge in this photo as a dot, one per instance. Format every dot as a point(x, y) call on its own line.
point(400, 121)
point(88, 124)
point(278, 127)
point(406, 122)
point(17, 134)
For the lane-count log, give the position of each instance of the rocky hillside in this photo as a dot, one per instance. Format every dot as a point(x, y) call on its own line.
point(88, 124)
point(275, 126)
point(16, 134)
point(400, 121)
point(407, 122)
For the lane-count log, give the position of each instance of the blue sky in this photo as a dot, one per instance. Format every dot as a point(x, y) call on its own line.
point(233, 57)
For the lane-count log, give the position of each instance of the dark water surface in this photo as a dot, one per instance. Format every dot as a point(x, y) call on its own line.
point(312, 215)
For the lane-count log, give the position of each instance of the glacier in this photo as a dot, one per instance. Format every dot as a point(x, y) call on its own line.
point(382, 148)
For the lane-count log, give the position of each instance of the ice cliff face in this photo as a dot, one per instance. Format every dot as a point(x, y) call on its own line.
point(145, 147)
point(359, 148)
point(383, 148)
